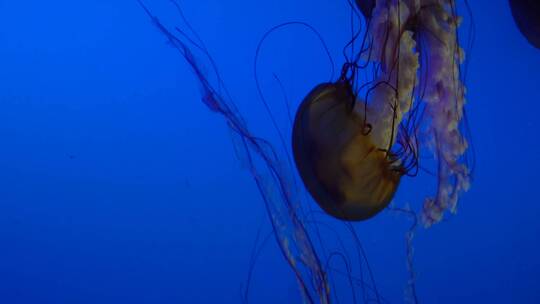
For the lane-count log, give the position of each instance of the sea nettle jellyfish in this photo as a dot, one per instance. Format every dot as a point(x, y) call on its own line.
point(353, 140)
point(400, 92)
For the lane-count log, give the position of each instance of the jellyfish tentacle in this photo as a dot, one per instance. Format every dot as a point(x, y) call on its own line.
point(264, 165)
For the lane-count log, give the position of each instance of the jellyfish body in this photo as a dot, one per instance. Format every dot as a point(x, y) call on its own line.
point(527, 16)
point(344, 171)
point(413, 102)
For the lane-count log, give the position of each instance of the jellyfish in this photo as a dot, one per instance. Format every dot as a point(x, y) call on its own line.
point(343, 169)
point(527, 17)
point(354, 141)
point(400, 93)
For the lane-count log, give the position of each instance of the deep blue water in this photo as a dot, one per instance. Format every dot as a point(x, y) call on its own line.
point(117, 185)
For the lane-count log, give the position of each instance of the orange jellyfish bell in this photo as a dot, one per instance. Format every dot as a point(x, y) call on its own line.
point(344, 171)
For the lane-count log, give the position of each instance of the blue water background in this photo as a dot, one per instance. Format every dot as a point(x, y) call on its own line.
point(117, 185)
